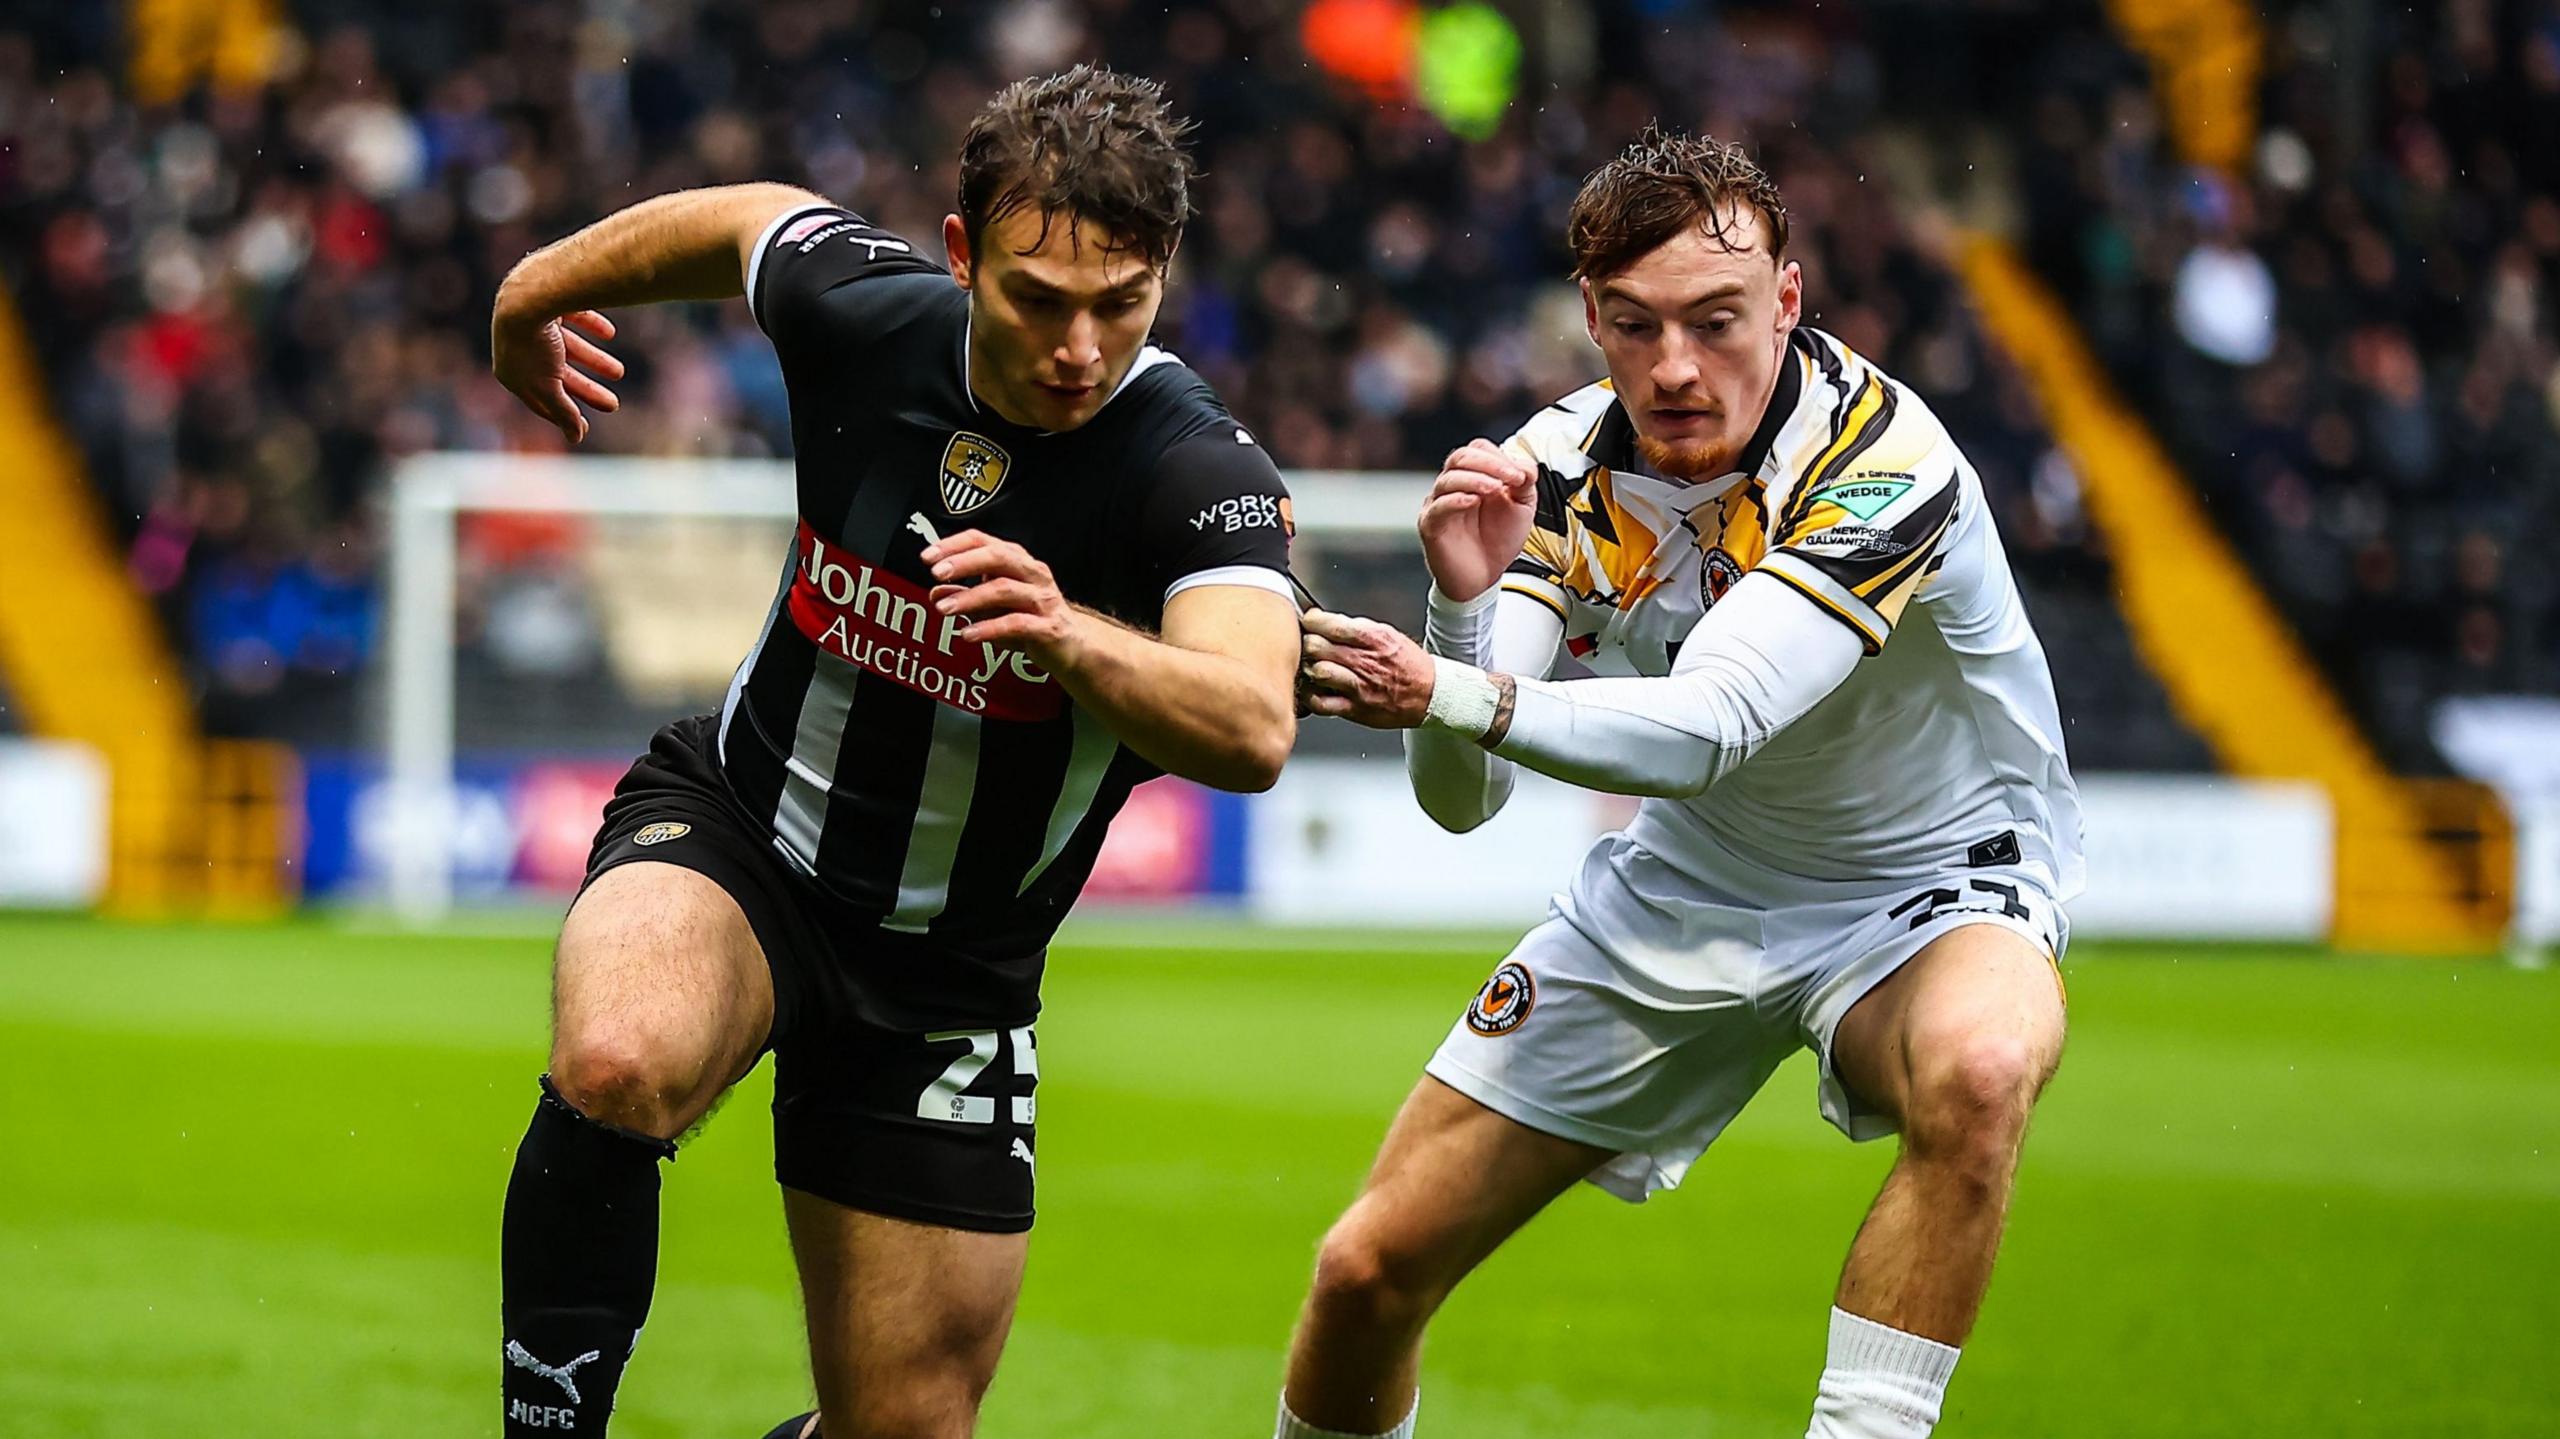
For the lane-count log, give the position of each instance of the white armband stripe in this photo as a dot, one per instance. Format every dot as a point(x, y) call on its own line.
point(1257, 577)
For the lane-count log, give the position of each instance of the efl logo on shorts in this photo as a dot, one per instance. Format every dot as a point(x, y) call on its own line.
point(661, 833)
point(1504, 1002)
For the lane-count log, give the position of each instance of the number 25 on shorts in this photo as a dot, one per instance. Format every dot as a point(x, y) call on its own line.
point(947, 1099)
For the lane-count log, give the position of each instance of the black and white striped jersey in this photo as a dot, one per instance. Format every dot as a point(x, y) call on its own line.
point(951, 789)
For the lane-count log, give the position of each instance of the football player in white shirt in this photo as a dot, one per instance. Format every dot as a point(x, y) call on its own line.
point(1810, 656)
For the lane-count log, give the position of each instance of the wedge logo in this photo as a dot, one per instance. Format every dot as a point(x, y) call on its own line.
point(1865, 495)
point(1503, 1004)
point(564, 1375)
point(973, 469)
point(661, 833)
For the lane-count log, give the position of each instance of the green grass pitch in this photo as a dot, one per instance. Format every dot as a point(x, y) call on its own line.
point(249, 1184)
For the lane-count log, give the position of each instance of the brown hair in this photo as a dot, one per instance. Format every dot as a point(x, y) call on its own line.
point(1089, 143)
point(1662, 184)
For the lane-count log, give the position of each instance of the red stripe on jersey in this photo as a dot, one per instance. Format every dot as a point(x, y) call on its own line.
point(883, 624)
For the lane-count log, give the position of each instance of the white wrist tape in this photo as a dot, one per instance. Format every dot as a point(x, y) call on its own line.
point(1463, 698)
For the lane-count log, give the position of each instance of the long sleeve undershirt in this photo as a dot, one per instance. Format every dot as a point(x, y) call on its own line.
point(1459, 784)
point(1756, 662)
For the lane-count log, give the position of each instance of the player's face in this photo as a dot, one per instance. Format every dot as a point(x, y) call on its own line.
point(1053, 330)
point(1694, 333)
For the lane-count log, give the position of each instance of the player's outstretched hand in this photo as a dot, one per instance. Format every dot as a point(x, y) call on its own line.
point(1363, 671)
point(546, 363)
point(1477, 517)
point(1007, 596)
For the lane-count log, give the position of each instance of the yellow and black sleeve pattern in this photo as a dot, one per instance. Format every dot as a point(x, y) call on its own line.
point(1863, 524)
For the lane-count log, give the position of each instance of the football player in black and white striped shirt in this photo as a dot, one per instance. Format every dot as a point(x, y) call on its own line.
point(1037, 563)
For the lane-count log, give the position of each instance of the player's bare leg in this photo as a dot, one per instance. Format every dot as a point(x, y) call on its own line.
point(1955, 1047)
point(906, 1321)
point(660, 1000)
point(1452, 1181)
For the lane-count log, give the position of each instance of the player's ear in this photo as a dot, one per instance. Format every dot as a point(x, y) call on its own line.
point(1790, 297)
point(955, 248)
point(1590, 311)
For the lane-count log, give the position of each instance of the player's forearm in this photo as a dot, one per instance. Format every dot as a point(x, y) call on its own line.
point(1203, 716)
point(1670, 737)
point(690, 245)
point(1763, 658)
point(1456, 782)
point(1454, 779)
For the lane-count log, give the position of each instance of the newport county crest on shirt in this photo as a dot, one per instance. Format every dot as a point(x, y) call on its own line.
point(952, 788)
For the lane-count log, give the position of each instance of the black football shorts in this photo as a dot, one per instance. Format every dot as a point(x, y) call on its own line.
point(928, 1124)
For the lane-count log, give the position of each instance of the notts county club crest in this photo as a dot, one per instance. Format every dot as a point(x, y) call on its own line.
point(972, 470)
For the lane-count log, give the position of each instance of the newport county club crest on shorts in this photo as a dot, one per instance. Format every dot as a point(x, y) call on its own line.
point(661, 832)
point(973, 468)
point(1504, 1002)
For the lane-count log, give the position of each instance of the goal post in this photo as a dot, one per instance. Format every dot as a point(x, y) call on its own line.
point(429, 496)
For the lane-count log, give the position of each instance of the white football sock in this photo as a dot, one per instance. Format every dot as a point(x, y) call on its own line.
point(1878, 1382)
point(1293, 1427)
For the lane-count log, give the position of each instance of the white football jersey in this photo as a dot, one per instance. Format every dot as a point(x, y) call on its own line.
point(1943, 748)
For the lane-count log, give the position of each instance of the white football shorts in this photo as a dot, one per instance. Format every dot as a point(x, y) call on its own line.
point(1653, 1003)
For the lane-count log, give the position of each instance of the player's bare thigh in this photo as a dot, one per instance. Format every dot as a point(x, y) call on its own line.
point(1980, 1003)
point(1452, 1181)
point(660, 998)
point(906, 1321)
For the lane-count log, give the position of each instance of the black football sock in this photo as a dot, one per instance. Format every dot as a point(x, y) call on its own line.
point(578, 1258)
point(790, 1428)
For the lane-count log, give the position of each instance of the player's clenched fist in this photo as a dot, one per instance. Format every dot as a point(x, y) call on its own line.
point(1477, 517)
point(1362, 671)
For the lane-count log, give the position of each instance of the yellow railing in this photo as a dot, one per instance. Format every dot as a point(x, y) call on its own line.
point(2233, 669)
point(251, 828)
point(85, 660)
point(2205, 56)
point(176, 44)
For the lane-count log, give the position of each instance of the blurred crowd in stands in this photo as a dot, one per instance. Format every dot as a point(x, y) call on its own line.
point(252, 298)
point(2353, 347)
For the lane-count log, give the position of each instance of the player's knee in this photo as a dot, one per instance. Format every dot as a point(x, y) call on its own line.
point(1364, 1277)
point(1972, 1102)
point(612, 1073)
